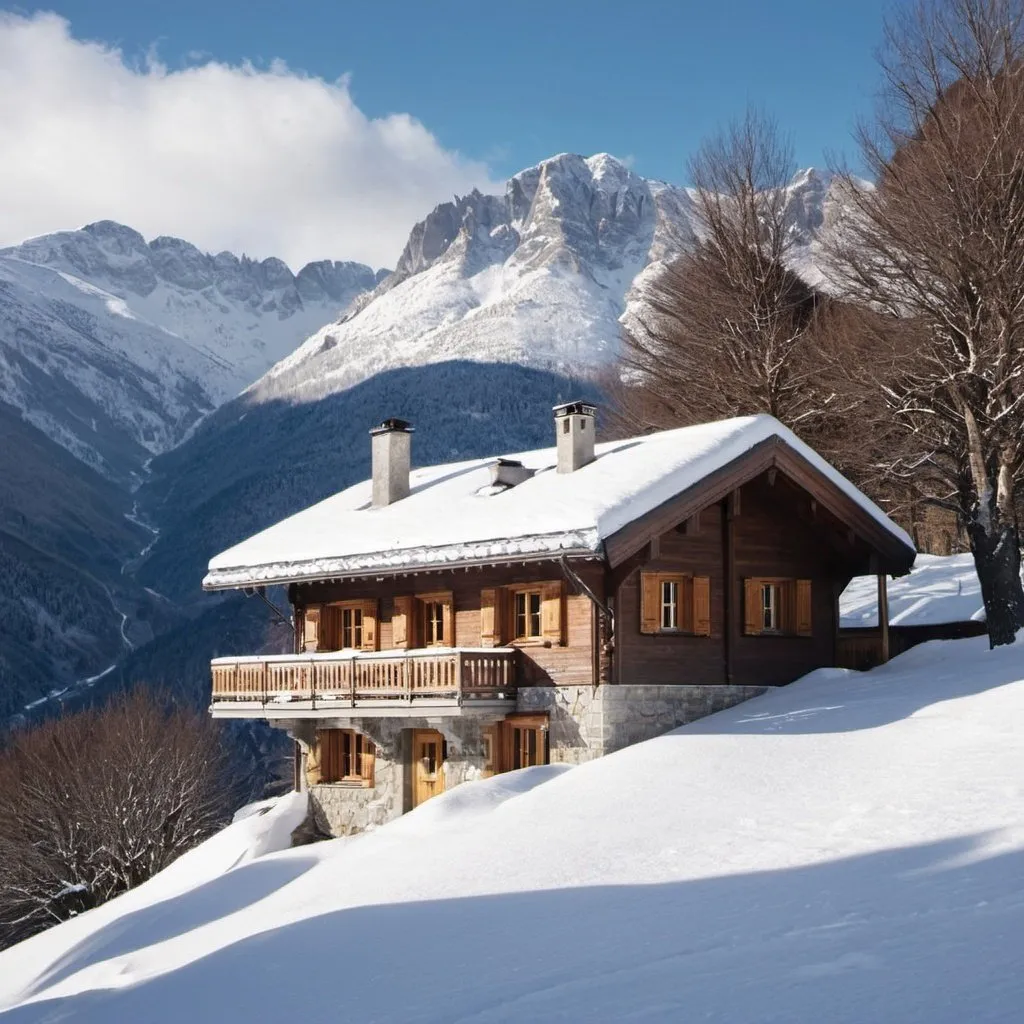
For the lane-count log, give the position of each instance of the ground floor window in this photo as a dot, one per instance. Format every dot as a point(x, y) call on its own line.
point(346, 756)
point(529, 747)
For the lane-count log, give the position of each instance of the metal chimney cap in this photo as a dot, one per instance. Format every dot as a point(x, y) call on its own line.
point(576, 408)
point(392, 423)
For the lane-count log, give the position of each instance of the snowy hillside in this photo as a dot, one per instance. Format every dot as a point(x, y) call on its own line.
point(938, 590)
point(846, 849)
point(114, 347)
point(539, 276)
point(246, 314)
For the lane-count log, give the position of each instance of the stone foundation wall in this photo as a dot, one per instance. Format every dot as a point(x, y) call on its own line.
point(343, 809)
point(587, 722)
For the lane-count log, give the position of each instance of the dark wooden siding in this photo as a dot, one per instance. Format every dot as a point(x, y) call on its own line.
point(665, 658)
point(771, 539)
point(569, 664)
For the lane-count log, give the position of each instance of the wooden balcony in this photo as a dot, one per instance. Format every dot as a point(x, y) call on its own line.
point(384, 682)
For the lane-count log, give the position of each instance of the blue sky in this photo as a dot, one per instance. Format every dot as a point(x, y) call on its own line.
point(180, 118)
point(512, 83)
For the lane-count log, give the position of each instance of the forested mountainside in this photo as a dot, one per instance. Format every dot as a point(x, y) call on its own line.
point(499, 307)
point(111, 350)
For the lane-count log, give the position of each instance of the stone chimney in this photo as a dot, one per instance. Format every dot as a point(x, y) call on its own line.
point(574, 435)
point(390, 450)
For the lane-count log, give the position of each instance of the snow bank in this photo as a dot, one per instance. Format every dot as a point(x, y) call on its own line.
point(257, 830)
point(846, 849)
point(938, 590)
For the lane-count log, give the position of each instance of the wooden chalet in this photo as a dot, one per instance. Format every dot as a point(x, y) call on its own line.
point(456, 621)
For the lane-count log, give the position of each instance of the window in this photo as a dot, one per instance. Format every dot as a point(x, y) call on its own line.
point(345, 756)
point(348, 625)
point(529, 614)
point(526, 615)
point(675, 603)
point(777, 607)
point(351, 627)
point(528, 747)
point(433, 623)
point(770, 607)
point(670, 604)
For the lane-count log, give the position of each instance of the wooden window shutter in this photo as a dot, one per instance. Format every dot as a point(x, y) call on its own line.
point(551, 611)
point(401, 623)
point(330, 628)
point(650, 602)
point(752, 610)
point(448, 620)
point(803, 619)
point(369, 756)
point(369, 609)
point(702, 605)
point(490, 635)
point(311, 628)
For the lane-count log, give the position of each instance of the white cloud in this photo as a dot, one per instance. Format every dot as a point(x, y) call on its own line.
point(265, 161)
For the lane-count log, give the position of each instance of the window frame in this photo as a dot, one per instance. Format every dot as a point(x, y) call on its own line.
point(527, 592)
point(692, 615)
point(445, 601)
point(791, 594)
point(356, 758)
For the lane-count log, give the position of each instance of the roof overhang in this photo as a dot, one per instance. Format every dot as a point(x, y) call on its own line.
point(891, 554)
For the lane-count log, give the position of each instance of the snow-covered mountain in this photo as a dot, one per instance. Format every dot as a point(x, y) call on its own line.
point(845, 849)
point(114, 346)
point(539, 276)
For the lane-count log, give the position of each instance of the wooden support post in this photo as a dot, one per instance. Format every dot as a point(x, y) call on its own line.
point(731, 589)
point(883, 615)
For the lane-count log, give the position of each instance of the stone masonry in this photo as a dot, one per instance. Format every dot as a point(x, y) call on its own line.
point(585, 722)
point(588, 721)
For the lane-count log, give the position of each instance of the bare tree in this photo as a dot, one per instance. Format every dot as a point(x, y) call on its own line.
point(726, 329)
point(97, 802)
point(935, 250)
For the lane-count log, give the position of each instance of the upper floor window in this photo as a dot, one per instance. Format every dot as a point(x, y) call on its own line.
point(777, 606)
point(672, 602)
point(433, 623)
point(527, 614)
point(351, 627)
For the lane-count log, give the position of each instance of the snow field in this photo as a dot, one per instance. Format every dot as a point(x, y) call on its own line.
point(848, 848)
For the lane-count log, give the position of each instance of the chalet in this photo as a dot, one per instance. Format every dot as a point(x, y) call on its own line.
point(456, 621)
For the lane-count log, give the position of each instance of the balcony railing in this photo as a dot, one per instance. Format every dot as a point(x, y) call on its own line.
point(357, 679)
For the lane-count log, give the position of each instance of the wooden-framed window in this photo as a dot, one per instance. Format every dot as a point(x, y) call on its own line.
point(520, 741)
point(529, 745)
point(423, 620)
point(672, 602)
point(777, 606)
point(348, 625)
point(526, 605)
point(522, 614)
point(346, 756)
point(351, 626)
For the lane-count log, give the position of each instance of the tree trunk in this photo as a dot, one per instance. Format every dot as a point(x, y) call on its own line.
point(996, 553)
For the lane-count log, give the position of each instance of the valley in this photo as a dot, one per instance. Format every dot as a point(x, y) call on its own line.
point(169, 403)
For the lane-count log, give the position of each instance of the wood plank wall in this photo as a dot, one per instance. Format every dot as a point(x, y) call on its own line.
point(568, 665)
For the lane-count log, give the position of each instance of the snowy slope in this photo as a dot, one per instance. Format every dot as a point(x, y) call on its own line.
point(540, 276)
point(115, 347)
point(938, 590)
point(846, 849)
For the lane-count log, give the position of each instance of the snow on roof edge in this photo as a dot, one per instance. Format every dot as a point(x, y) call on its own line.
point(578, 544)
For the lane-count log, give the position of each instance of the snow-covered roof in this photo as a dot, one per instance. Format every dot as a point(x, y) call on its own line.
point(940, 589)
point(453, 516)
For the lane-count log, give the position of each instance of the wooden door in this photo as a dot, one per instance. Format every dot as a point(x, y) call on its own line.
point(427, 765)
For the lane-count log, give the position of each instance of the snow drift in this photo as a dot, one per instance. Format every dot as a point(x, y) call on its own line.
point(848, 848)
